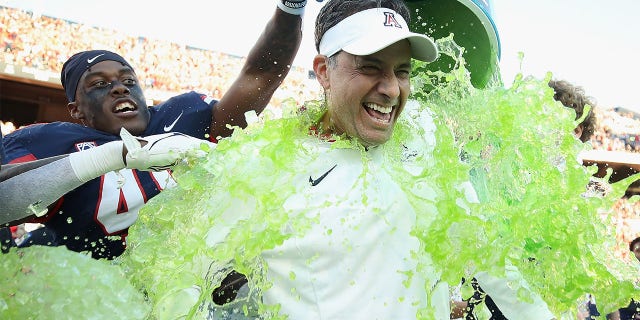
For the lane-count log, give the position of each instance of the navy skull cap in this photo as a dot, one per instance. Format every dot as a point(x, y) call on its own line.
point(74, 68)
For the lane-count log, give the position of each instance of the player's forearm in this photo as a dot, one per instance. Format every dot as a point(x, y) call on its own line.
point(29, 193)
point(266, 66)
point(12, 170)
point(271, 57)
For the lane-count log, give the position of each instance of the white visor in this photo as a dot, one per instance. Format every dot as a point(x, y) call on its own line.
point(372, 30)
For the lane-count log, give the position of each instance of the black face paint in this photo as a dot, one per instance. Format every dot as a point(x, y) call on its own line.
point(102, 89)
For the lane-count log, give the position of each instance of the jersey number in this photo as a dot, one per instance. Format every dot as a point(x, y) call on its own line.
point(118, 206)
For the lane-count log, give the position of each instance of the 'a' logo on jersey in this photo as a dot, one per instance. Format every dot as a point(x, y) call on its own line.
point(390, 20)
point(85, 145)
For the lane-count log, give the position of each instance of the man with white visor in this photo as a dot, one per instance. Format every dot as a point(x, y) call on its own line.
point(355, 261)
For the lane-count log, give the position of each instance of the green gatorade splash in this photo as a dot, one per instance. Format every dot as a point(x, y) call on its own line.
point(52, 282)
point(534, 212)
point(514, 145)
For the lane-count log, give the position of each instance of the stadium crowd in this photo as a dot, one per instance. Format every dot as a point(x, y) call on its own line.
point(32, 40)
point(44, 43)
point(626, 222)
point(617, 131)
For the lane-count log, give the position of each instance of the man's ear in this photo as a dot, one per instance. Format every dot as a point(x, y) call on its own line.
point(320, 67)
point(74, 111)
point(577, 132)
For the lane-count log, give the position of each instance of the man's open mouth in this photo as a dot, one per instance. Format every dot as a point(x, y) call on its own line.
point(378, 112)
point(124, 107)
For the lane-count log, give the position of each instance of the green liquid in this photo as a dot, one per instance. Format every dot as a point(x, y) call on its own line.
point(53, 283)
point(515, 146)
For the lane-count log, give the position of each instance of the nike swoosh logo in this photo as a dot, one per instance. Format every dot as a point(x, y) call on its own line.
point(317, 181)
point(169, 127)
point(94, 58)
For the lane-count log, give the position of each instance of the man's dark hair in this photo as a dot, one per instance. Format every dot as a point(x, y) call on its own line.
point(574, 97)
point(633, 243)
point(335, 11)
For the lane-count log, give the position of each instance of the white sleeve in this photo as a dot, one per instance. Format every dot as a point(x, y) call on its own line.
point(30, 193)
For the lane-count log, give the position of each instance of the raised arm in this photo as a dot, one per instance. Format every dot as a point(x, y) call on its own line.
point(265, 68)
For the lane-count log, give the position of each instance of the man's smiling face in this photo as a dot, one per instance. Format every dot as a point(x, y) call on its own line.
point(109, 98)
point(366, 94)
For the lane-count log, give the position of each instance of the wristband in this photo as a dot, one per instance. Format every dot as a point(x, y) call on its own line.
point(295, 7)
point(92, 163)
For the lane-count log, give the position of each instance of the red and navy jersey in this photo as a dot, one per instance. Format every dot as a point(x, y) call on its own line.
point(96, 216)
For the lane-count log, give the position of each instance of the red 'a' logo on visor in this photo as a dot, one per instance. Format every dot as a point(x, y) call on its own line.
point(390, 20)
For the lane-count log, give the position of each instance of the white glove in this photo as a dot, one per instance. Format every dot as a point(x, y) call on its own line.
point(162, 151)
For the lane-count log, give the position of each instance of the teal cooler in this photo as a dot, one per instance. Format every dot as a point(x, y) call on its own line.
point(472, 27)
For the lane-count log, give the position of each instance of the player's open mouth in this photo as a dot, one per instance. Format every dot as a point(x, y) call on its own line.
point(124, 107)
point(378, 112)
